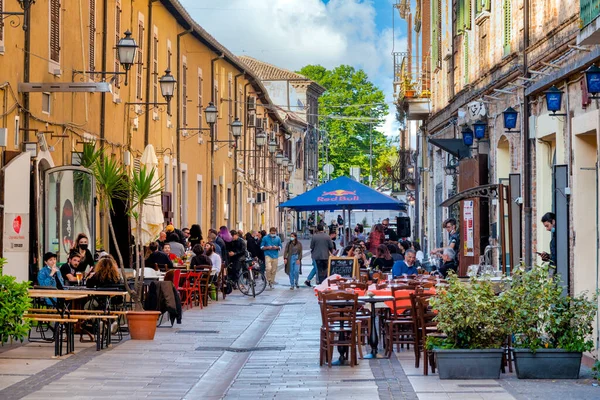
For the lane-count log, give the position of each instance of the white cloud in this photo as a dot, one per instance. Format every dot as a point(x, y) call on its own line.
point(294, 33)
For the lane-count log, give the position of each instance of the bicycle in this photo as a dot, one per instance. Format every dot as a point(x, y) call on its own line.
point(251, 280)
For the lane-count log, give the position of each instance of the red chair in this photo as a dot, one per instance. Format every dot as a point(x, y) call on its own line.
point(193, 290)
point(185, 289)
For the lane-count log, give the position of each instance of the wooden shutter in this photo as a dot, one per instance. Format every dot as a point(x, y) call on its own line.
point(200, 106)
point(460, 17)
point(140, 61)
point(1, 21)
point(507, 26)
point(117, 38)
point(466, 57)
point(92, 31)
point(184, 94)
point(155, 68)
point(436, 35)
point(468, 13)
point(55, 30)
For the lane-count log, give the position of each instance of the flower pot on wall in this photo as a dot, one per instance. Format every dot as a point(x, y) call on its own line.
point(142, 324)
point(547, 364)
point(469, 364)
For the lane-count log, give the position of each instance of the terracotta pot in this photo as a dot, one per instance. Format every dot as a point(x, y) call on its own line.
point(142, 324)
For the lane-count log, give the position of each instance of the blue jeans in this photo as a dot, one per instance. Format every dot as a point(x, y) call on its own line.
point(313, 272)
point(294, 271)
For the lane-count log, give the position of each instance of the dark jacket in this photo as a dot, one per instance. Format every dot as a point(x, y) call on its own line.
point(254, 249)
point(88, 260)
point(238, 247)
point(158, 257)
point(320, 246)
point(200, 259)
point(447, 266)
point(224, 256)
point(163, 297)
point(292, 248)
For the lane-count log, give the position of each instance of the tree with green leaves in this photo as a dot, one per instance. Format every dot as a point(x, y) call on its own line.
point(350, 113)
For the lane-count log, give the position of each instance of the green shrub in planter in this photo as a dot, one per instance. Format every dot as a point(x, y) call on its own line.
point(551, 331)
point(14, 302)
point(474, 320)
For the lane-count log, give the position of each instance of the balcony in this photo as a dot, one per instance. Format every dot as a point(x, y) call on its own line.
point(412, 89)
point(589, 22)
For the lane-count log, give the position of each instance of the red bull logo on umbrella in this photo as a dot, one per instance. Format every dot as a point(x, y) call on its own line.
point(338, 195)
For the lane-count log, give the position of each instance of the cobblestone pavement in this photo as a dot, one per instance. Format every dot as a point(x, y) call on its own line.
point(241, 348)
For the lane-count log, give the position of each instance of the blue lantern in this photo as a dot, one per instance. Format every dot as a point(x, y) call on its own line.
point(553, 99)
point(467, 134)
point(592, 78)
point(510, 118)
point(479, 127)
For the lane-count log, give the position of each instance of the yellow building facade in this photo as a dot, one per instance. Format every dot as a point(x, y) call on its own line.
point(73, 42)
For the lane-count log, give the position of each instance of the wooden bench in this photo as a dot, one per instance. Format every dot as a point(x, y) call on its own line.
point(60, 324)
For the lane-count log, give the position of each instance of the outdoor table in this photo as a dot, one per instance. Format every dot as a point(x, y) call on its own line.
point(57, 294)
point(374, 337)
point(74, 293)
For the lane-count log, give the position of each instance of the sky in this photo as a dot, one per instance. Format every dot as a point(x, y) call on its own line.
point(293, 33)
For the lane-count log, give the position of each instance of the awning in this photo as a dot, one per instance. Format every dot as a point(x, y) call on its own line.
point(487, 191)
point(456, 147)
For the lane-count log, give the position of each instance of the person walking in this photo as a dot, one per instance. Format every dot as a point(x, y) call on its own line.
point(292, 259)
point(271, 244)
point(321, 247)
point(549, 222)
point(340, 222)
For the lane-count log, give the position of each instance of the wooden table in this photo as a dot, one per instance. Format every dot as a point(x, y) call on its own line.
point(74, 294)
point(374, 337)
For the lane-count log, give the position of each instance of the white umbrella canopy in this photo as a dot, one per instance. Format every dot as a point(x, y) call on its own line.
point(152, 218)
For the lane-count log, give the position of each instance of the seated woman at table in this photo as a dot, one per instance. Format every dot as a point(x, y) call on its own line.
point(199, 257)
point(383, 259)
point(406, 267)
point(106, 274)
point(215, 258)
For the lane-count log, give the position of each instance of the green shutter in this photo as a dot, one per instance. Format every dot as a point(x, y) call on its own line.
point(460, 17)
point(435, 53)
point(466, 57)
point(507, 27)
point(468, 13)
point(478, 6)
point(487, 4)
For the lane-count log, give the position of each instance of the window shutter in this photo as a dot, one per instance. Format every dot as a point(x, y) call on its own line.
point(117, 38)
point(507, 27)
point(487, 5)
point(1, 21)
point(466, 57)
point(184, 95)
point(468, 13)
point(436, 42)
point(92, 35)
point(55, 30)
point(140, 67)
point(460, 17)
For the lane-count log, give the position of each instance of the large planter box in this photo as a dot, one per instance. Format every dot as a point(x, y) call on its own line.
point(469, 364)
point(547, 364)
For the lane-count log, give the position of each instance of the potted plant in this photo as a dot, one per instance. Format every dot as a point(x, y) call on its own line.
point(473, 319)
point(551, 331)
point(142, 187)
point(14, 302)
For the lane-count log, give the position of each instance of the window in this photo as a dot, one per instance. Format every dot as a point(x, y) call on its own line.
point(46, 103)
point(481, 6)
point(200, 106)
point(199, 201)
point(184, 197)
point(507, 27)
point(436, 35)
point(1, 24)
point(176, 214)
point(140, 60)
point(117, 38)
point(92, 34)
point(230, 98)
point(466, 58)
point(463, 16)
point(55, 30)
point(155, 66)
point(184, 93)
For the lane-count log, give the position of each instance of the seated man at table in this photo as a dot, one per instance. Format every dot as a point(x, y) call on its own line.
point(408, 266)
point(69, 270)
point(449, 258)
point(50, 275)
point(157, 257)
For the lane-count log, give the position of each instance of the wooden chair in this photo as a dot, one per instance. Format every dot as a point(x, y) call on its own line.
point(204, 283)
point(382, 286)
point(339, 323)
point(399, 326)
point(161, 267)
point(185, 290)
point(353, 285)
point(220, 283)
point(193, 289)
point(423, 317)
point(336, 281)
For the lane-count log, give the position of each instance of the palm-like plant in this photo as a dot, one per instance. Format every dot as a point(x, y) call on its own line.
point(142, 187)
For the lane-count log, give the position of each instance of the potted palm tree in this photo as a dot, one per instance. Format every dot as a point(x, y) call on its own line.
point(143, 186)
point(473, 319)
point(551, 331)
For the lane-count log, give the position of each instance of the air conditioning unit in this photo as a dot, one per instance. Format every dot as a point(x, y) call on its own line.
point(251, 120)
point(226, 212)
point(251, 103)
point(259, 123)
point(221, 180)
point(154, 116)
point(135, 123)
point(138, 109)
point(251, 200)
point(265, 123)
point(251, 171)
point(276, 127)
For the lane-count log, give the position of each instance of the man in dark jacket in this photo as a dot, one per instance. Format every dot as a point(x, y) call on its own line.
point(236, 250)
point(321, 247)
point(213, 237)
point(157, 257)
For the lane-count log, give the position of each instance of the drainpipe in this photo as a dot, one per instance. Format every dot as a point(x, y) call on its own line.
point(235, 153)
point(103, 233)
point(213, 189)
point(527, 179)
point(149, 36)
point(178, 125)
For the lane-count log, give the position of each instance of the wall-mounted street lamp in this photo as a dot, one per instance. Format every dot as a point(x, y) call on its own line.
point(451, 166)
point(279, 158)
point(285, 161)
point(510, 119)
point(167, 88)
point(272, 146)
point(210, 113)
point(554, 101)
point(592, 80)
point(236, 128)
point(290, 168)
point(467, 134)
point(261, 139)
point(479, 129)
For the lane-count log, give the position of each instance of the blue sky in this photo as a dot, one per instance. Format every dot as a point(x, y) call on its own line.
point(294, 33)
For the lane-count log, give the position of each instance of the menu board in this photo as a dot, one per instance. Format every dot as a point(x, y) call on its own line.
point(347, 267)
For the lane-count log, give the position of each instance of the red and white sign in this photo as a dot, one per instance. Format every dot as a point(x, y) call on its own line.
point(16, 232)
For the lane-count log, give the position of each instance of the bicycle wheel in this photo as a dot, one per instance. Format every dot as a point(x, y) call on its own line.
point(260, 282)
point(245, 283)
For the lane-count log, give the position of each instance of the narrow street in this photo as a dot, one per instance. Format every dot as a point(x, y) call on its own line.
point(244, 348)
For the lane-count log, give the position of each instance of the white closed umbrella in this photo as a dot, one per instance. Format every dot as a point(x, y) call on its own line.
point(152, 218)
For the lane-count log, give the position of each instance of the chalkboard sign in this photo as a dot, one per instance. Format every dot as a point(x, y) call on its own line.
point(347, 267)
